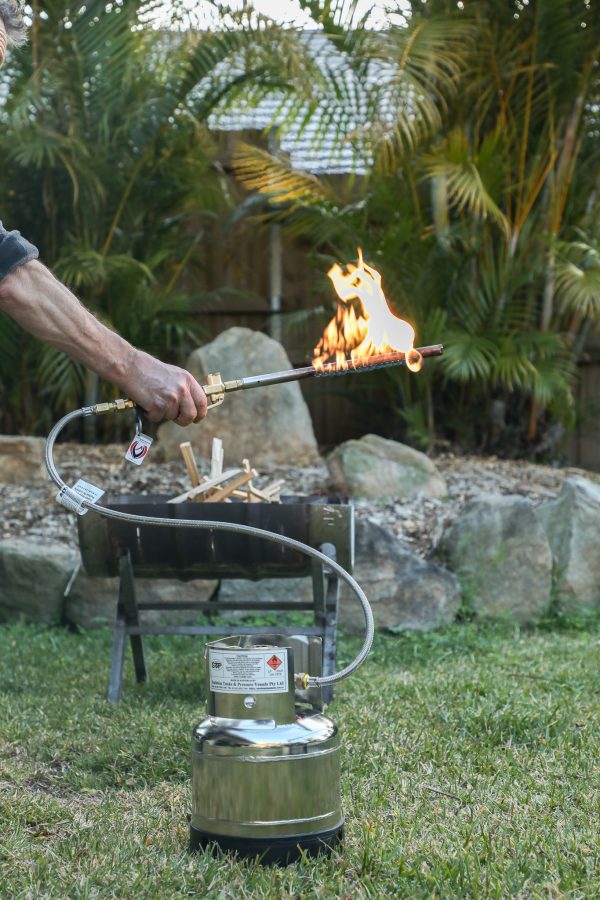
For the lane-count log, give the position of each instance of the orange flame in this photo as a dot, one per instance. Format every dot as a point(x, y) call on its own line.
point(365, 329)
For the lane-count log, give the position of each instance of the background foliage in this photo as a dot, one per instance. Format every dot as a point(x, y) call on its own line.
point(480, 205)
point(480, 209)
point(108, 168)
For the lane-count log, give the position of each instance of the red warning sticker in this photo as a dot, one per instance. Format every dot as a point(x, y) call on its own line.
point(241, 670)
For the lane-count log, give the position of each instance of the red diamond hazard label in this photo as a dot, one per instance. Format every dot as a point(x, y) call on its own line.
point(274, 662)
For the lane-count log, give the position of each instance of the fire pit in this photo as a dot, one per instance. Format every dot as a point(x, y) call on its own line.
point(115, 548)
point(367, 329)
point(266, 770)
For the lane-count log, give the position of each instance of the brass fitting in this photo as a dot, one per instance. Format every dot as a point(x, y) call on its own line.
point(301, 680)
point(215, 388)
point(113, 405)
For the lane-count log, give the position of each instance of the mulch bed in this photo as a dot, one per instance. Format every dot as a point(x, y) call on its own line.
point(31, 510)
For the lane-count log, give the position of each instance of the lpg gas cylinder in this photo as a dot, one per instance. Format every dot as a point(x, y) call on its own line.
point(265, 771)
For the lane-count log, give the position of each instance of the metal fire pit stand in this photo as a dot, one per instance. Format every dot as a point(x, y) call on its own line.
point(112, 548)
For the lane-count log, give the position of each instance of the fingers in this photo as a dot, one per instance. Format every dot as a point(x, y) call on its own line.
point(183, 406)
point(166, 392)
point(192, 405)
point(187, 410)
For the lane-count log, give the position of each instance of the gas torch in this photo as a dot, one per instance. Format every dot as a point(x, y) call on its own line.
point(265, 761)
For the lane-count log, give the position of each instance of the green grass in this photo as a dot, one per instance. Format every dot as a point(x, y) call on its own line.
point(470, 768)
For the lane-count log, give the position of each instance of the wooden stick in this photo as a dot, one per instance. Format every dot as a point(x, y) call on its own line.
point(246, 465)
point(190, 462)
point(206, 486)
point(243, 495)
point(274, 487)
point(216, 459)
point(224, 492)
point(260, 495)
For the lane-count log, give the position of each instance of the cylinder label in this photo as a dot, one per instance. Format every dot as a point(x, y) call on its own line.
point(252, 672)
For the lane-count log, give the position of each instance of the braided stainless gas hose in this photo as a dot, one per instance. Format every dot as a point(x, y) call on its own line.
point(76, 501)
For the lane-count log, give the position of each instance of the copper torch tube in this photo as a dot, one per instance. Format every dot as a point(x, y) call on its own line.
point(359, 365)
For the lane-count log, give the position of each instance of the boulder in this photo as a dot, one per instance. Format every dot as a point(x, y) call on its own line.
point(572, 523)
point(376, 467)
point(34, 576)
point(500, 552)
point(405, 591)
point(269, 426)
point(92, 602)
point(22, 459)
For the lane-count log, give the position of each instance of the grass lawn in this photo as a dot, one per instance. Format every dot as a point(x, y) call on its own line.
point(470, 767)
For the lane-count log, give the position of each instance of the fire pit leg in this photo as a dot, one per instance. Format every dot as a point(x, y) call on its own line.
point(326, 591)
point(127, 615)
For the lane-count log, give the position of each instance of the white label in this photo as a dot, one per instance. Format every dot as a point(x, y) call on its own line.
point(138, 449)
point(253, 672)
point(87, 491)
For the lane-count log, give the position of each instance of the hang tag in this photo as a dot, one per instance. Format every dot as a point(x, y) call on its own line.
point(72, 497)
point(138, 449)
point(87, 491)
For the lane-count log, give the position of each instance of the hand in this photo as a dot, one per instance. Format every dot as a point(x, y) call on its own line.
point(164, 391)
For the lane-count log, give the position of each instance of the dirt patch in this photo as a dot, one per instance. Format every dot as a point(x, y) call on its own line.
point(33, 511)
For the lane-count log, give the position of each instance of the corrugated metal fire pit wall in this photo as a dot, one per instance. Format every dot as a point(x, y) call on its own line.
point(187, 553)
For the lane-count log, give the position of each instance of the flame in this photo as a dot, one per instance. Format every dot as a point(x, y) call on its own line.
point(366, 328)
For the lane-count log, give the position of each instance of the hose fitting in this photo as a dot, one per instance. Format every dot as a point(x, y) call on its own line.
point(301, 680)
point(111, 406)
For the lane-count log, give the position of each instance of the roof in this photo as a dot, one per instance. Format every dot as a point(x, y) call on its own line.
point(312, 145)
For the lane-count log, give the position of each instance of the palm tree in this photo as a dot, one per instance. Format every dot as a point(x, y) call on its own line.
point(480, 205)
point(107, 166)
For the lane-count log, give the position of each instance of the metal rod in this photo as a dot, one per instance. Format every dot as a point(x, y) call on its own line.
point(358, 365)
point(215, 607)
point(219, 629)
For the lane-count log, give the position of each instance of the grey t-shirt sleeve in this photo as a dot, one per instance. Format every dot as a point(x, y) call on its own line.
point(14, 251)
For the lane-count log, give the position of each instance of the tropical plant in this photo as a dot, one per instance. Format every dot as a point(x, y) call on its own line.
point(108, 168)
point(479, 206)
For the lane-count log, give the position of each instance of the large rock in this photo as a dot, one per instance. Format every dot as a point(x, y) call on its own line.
point(500, 551)
point(33, 578)
point(92, 602)
point(22, 459)
point(405, 591)
point(377, 467)
point(572, 522)
point(269, 425)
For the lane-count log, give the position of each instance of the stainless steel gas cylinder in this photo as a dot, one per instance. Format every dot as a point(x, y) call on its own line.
point(266, 773)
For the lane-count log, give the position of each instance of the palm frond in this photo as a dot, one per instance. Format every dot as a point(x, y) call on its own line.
point(553, 383)
point(467, 192)
point(273, 177)
point(63, 377)
point(84, 268)
point(468, 357)
point(577, 273)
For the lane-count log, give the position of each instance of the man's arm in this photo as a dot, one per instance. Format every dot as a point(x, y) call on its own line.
point(32, 296)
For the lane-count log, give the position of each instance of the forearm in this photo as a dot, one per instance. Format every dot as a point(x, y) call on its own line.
point(47, 309)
